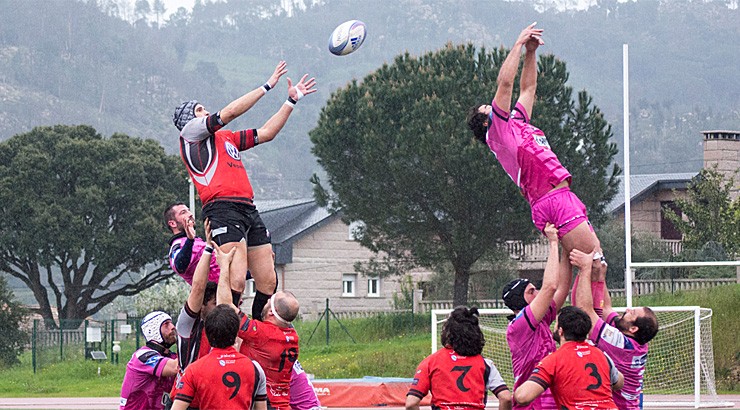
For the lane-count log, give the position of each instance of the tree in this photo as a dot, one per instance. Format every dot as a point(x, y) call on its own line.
point(708, 213)
point(12, 315)
point(399, 157)
point(81, 216)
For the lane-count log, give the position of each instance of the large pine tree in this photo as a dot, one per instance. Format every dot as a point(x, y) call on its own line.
point(399, 157)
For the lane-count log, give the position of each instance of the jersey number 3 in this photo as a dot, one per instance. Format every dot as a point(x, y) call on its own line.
point(595, 374)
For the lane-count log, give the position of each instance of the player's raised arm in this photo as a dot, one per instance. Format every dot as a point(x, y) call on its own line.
point(541, 302)
point(271, 128)
point(528, 81)
point(223, 293)
point(583, 292)
point(607, 303)
point(565, 274)
point(247, 101)
point(507, 73)
point(200, 278)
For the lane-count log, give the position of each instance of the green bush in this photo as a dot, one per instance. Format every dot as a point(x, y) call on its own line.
point(12, 338)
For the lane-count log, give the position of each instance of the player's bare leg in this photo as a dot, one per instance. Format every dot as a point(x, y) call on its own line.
point(238, 265)
point(262, 267)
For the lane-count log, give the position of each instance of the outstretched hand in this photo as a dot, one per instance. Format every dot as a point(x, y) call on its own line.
point(581, 260)
point(280, 70)
point(531, 37)
point(302, 88)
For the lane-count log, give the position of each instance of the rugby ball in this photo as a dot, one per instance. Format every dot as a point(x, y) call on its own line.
point(347, 37)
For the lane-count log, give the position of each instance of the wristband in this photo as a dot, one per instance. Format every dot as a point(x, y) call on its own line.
point(266, 87)
point(208, 249)
point(290, 102)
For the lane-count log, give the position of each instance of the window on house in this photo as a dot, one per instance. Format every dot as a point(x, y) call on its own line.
point(251, 288)
point(348, 284)
point(373, 287)
point(355, 230)
point(667, 229)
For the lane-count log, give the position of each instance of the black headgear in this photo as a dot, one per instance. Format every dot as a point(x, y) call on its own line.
point(513, 294)
point(184, 113)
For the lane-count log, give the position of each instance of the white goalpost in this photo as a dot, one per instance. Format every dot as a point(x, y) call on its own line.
point(680, 367)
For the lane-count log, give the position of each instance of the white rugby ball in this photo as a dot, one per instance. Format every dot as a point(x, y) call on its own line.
point(347, 37)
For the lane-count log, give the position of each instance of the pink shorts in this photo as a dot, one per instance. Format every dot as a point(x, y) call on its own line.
point(561, 208)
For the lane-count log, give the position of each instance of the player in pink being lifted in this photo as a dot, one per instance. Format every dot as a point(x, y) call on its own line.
point(524, 153)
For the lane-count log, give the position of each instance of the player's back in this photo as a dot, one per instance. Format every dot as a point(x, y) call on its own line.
point(453, 380)
point(223, 379)
point(579, 376)
point(276, 350)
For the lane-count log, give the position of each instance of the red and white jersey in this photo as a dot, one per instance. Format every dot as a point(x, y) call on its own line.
point(223, 379)
point(276, 350)
point(579, 375)
point(211, 155)
point(456, 381)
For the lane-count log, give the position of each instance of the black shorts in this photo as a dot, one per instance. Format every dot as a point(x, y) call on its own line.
point(234, 221)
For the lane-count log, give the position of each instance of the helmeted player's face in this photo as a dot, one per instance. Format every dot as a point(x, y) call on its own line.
point(529, 293)
point(200, 111)
point(169, 335)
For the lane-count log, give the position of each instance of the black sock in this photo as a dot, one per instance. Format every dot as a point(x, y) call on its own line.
point(260, 300)
point(236, 297)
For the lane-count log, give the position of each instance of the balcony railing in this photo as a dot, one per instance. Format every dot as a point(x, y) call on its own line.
point(537, 251)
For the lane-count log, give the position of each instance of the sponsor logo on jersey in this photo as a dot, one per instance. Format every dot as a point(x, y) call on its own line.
point(152, 361)
point(122, 402)
point(454, 358)
point(222, 363)
point(639, 361)
point(232, 151)
point(541, 140)
point(415, 382)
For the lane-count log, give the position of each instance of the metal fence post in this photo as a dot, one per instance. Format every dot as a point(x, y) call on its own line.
point(33, 345)
point(112, 337)
point(327, 321)
point(61, 340)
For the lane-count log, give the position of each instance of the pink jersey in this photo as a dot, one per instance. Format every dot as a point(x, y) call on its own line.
point(629, 356)
point(143, 384)
point(176, 246)
point(530, 341)
point(524, 153)
point(302, 395)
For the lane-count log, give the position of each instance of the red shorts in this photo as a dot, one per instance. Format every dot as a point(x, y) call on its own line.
point(561, 208)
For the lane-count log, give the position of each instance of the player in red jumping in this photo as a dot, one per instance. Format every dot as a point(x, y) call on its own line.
point(212, 157)
point(457, 375)
point(579, 375)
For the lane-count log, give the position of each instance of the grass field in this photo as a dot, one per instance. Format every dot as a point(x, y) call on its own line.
point(387, 346)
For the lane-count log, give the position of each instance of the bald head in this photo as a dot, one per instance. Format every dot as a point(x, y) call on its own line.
point(282, 308)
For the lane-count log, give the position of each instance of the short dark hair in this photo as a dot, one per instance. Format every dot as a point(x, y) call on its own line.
point(647, 326)
point(575, 323)
point(477, 123)
point(222, 326)
point(462, 333)
point(210, 292)
point(169, 214)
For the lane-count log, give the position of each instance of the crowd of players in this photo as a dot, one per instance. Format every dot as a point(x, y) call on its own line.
point(228, 360)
